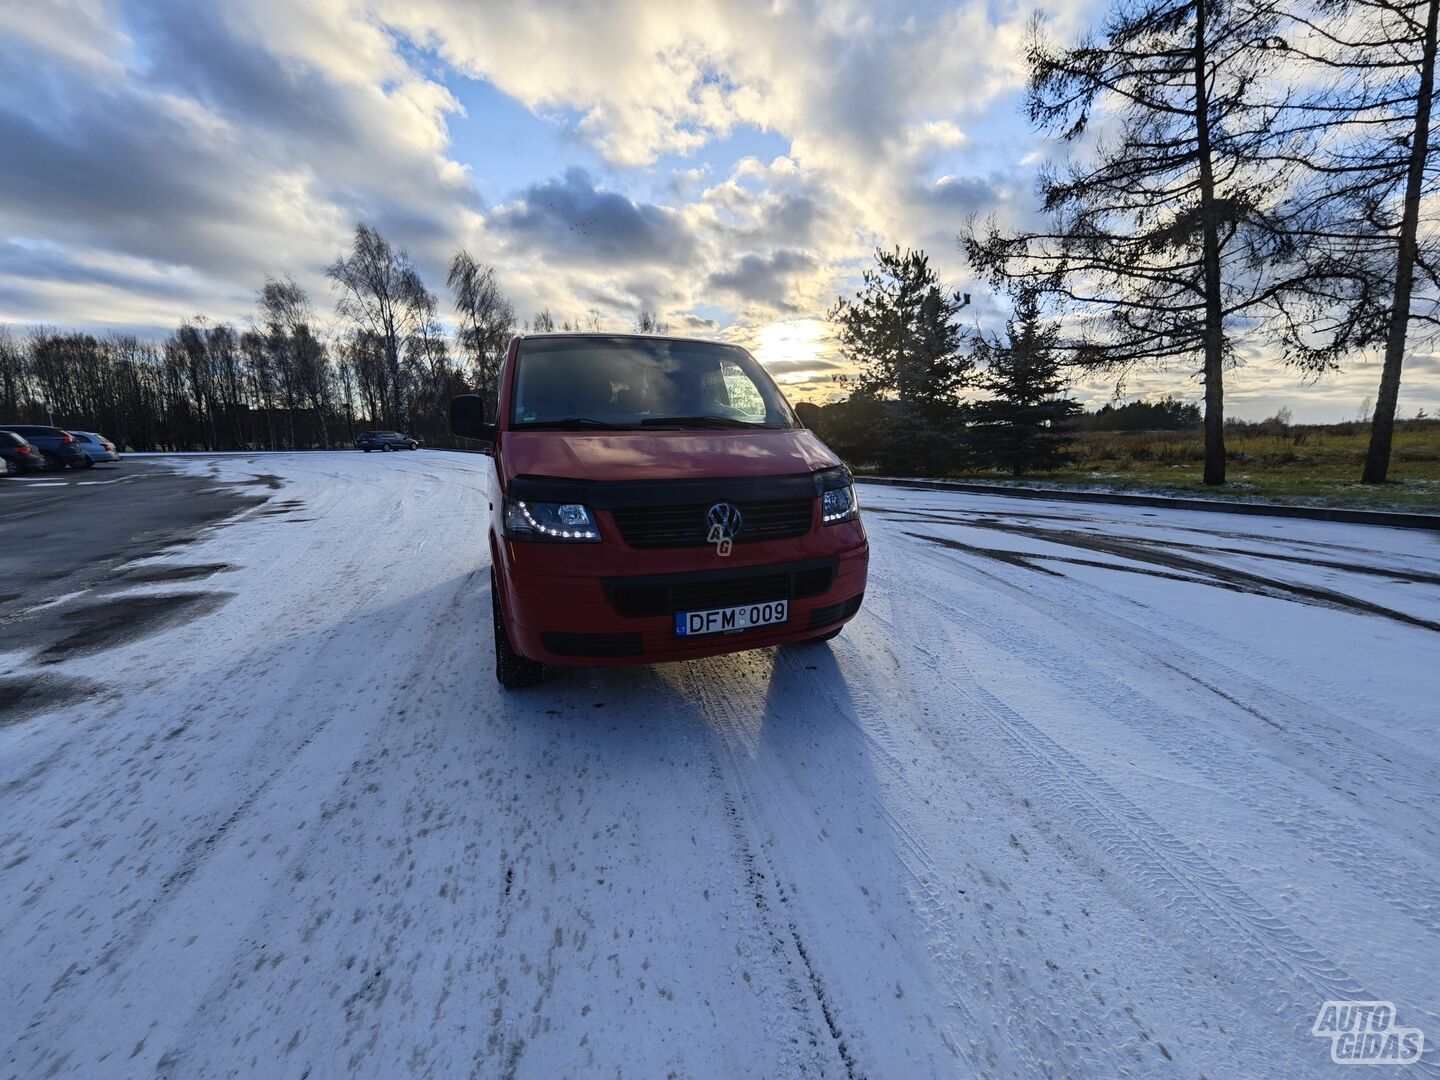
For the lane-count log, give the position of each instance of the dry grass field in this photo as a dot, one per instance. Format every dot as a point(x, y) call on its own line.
point(1316, 465)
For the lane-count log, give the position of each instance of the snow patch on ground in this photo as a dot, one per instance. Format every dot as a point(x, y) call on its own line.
point(1084, 791)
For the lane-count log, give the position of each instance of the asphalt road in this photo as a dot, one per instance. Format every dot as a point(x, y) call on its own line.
point(61, 533)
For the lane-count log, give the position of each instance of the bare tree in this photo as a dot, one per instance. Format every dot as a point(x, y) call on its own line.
point(647, 322)
point(260, 378)
point(222, 346)
point(382, 294)
point(1161, 235)
point(312, 377)
point(1362, 206)
point(13, 373)
point(190, 346)
point(284, 308)
point(487, 320)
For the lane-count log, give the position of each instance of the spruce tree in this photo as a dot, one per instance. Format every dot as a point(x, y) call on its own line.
point(1017, 427)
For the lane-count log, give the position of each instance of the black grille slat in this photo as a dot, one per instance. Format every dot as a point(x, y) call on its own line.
point(702, 596)
point(684, 526)
point(597, 645)
point(668, 594)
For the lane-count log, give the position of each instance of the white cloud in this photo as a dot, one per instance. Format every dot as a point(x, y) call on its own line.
point(163, 157)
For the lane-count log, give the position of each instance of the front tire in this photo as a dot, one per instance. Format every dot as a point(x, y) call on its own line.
point(512, 670)
point(365, 449)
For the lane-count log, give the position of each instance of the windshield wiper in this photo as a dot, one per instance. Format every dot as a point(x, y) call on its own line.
point(698, 421)
point(582, 422)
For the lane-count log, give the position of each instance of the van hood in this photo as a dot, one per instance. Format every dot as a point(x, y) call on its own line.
point(662, 455)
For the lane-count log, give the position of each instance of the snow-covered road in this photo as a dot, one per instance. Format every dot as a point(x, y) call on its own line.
point(1084, 791)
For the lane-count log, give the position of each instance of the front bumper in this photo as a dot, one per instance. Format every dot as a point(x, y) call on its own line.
point(623, 611)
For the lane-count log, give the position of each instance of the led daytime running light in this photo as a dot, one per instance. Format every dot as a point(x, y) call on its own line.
point(559, 534)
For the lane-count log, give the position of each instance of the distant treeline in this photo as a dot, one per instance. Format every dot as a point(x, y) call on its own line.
point(286, 379)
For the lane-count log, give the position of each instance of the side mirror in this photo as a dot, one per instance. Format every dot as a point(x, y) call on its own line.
point(468, 418)
point(809, 414)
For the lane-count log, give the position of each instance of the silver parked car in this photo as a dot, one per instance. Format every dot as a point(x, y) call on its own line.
point(97, 447)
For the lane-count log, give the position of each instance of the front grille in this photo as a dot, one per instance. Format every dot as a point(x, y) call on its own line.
point(685, 526)
point(671, 593)
point(703, 595)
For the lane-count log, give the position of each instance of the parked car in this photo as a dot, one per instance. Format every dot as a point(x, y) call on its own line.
point(4, 467)
point(385, 440)
point(21, 455)
point(96, 447)
point(58, 445)
point(657, 499)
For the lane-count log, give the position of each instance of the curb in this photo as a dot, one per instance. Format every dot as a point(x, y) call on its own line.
point(1393, 519)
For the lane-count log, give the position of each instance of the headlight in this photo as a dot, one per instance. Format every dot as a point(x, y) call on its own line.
point(839, 505)
point(549, 521)
point(837, 497)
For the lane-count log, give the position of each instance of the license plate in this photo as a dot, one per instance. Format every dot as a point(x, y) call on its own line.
point(731, 620)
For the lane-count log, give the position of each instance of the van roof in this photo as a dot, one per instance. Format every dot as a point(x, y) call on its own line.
point(607, 336)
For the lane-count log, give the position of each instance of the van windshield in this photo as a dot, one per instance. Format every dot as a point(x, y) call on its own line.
point(630, 383)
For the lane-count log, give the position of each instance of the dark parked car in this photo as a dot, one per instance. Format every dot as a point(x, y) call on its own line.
point(385, 440)
point(20, 455)
point(58, 445)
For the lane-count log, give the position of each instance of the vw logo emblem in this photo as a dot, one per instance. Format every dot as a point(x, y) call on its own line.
point(723, 521)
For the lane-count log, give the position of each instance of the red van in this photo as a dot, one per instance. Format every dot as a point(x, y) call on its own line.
point(656, 499)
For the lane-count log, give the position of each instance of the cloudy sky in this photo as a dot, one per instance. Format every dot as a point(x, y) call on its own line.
point(728, 164)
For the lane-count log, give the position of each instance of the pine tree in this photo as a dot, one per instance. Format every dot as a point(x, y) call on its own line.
point(1017, 427)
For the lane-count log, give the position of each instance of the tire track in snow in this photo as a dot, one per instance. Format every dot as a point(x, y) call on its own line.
point(1005, 1025)
point(724, 711)
point(992, 1022)
point(1147, 849)
point(1387, 866)
point(1263, 700)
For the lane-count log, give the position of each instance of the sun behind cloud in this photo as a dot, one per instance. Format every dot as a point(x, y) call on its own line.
point(795, 349)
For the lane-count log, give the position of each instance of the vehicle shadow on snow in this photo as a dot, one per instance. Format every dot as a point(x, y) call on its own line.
point(754, 702)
